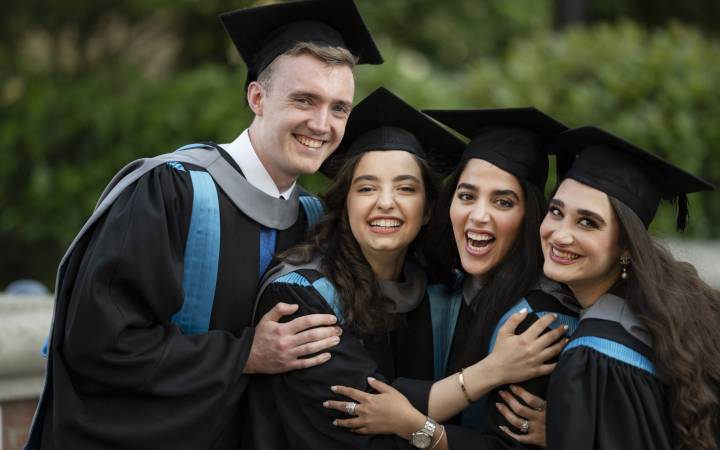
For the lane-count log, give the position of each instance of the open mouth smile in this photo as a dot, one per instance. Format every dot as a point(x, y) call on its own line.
point(562, 257)
point(478, 243)
point(385, 225)
point(308, 141)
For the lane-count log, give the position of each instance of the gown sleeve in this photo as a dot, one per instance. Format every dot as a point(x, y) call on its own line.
point(287, 410)
point(598, 402)
point(128, 365)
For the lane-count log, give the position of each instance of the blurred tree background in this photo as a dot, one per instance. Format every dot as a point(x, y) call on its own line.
point(86, 86)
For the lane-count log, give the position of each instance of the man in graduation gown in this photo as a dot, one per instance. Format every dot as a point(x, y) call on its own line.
point(152, 344)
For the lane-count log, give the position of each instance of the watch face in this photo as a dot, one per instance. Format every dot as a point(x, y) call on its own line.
point(420, 440)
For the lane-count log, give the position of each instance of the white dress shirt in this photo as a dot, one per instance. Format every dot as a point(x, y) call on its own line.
point(243, 153)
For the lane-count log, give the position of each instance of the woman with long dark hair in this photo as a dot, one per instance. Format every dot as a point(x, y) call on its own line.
point(361, 264)
point(642, 370)
point(491, 208)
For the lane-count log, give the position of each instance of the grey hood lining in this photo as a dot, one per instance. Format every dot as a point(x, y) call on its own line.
point(406, 295)
point(615, 309)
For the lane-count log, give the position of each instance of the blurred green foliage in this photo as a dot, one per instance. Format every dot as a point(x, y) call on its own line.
point(89, 86)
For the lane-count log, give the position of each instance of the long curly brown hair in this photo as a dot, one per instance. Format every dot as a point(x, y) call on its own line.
point(682, 314)
point(364, 306)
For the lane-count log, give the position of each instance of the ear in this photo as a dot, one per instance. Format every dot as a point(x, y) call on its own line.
point(255, 97)
point(426, 218)
point(428, 213)
point(625, 255)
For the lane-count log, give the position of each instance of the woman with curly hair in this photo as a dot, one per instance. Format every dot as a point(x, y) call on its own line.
point(642, 370)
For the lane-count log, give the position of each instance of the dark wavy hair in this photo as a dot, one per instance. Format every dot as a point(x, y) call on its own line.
point(364, 306)
point(507, 283)
point(682, 314)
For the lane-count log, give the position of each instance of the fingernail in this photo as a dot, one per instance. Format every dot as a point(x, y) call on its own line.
point(522, 311)
point(503, 394)
point(502, 427)
point(371, 379)
point(327, 357)
point(565, 327)
point(335, 422)
point(333, 388)
point(555, 315)
point(336, 340)
point(513, 387)
point(498, 406)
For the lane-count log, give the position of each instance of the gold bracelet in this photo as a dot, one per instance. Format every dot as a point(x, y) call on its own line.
point(461, 379)
point(442, 433)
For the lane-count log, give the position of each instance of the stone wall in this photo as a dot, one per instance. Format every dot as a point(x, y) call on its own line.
point(24, 323)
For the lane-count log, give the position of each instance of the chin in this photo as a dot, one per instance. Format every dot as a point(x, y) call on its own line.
point(475, 268)
point(556, 273)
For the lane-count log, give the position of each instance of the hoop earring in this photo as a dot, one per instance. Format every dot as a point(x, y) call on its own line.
point(624, 264)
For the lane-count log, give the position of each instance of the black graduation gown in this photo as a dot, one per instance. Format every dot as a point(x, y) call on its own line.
point(477, 426)
point(123, 376)
point(286, 411)
point(597, 401)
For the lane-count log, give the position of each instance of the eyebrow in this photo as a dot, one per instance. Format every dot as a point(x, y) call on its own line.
point(581, 212)
point(509, 192)
point(312, 95)
point(593, 215)
point(472, 187)
point(396, 179)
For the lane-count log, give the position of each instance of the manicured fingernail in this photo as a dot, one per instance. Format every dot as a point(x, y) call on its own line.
point(333, 388)
point(371, 379)
point(503, 394)
point(335, 422)
point(326, 358)
point(498, 406)
point(565, 327)
point(503, 427)
point(336, 340)
point(513, 387)
point(522, 311)
point(326, 404)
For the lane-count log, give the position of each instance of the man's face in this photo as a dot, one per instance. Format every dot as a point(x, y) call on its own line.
point(300, 119)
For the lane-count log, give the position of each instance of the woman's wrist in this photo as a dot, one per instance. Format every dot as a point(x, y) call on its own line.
point(482, 377)
point(415, 421)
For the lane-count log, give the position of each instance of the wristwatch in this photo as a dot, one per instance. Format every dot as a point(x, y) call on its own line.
point(422, 438)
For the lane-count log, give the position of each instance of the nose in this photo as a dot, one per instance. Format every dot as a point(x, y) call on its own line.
point(319, 122)
point(562, 235)
point(479, 213)
point(386, 199)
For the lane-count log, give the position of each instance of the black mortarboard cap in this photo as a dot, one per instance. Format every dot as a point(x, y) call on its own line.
point(514, 139)
point(628, 173)
point(263, 33)
point(383, 121)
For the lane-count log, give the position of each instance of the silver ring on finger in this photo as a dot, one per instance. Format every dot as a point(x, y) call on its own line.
point(350, 408)
point(525, 426)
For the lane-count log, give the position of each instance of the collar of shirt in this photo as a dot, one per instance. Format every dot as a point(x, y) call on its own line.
point(242, 151)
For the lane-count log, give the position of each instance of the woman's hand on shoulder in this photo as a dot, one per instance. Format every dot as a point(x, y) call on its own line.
point(520, 357)
point(387, 412)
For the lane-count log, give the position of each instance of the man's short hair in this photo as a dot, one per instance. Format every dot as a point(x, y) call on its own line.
point(332, 56)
